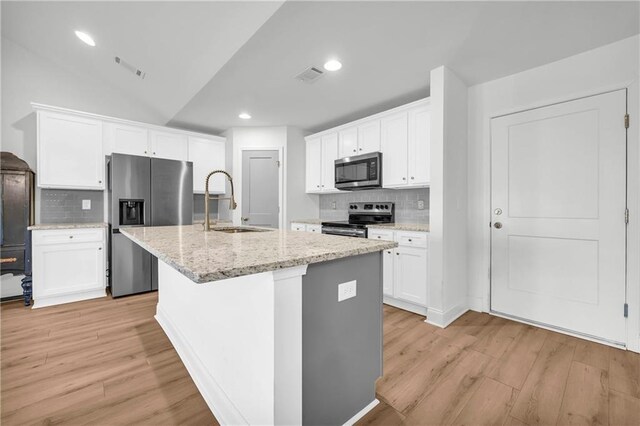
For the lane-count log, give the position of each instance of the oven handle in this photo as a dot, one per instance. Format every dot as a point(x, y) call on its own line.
point(362, 233)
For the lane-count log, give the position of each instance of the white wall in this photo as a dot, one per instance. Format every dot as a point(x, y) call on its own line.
point(606, 68)
point(300, 205)
point(448, 198)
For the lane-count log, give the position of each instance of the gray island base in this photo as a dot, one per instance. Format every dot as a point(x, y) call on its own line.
point(277, 347)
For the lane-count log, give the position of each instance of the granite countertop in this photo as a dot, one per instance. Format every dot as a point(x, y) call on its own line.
point(416, 227)
point(210, 256)
point(49, 226)
point(309, 221)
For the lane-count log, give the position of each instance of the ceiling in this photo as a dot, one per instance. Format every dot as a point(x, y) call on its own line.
point(180, 45)
point(208, 61)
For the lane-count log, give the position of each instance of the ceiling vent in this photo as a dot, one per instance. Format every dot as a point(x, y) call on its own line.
point(309, 75)
point(131, 68)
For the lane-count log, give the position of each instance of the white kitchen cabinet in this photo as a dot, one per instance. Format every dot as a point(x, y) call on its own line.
point(418, 150)
point(369, 137)
point(68, 265)
point(321, 154)
point(70, 153)
point(347, 142)
point(329, 156)
point(395, 145)
point(411, 275)
point(125, 139)
point(314, 165)
point(207, 155)
point(169, 145)
point(404, 269)
point(298, 227)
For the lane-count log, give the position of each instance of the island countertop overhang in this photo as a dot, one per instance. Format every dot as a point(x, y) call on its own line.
point(211, 256)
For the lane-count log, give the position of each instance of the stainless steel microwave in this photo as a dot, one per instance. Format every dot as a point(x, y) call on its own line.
point(359, 172)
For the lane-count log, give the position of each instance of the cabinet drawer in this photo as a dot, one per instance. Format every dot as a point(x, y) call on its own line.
point(59, 236)
point(298, 227)
point(317, 229)
point(412, 239)
point(380, 234)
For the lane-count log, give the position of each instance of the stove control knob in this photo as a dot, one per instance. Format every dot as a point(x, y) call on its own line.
point(377, 206)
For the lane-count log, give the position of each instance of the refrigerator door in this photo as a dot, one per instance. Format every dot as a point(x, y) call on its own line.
point(171, 192)
point(130, 267)
point(129, 180)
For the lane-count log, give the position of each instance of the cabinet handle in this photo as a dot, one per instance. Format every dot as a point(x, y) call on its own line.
point(412, 178)
point(389, 252)
point(318, 186)
point(154, 153)
point(99, 248)
point(379, 237)
point(397, 254)
point(70, 236)
point(145, 152)
point(404, 178)
point(410, 240)
point(360, 149)
point(99, 181)
point(354, 150)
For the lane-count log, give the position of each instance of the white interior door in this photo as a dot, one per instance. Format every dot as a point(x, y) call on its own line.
point(260, 188)
point(558, 224)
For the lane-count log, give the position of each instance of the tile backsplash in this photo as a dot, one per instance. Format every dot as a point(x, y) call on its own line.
point(65, 206)
point(406, 203)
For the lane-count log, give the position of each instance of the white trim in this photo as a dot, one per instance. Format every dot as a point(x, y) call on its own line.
point(42, 107)
point(352, 421)
point(633, 277)
point(219, 403)
point(407, 306)
point(44, 301)
point(282, 176)
point(475, 304)
point(443, 319)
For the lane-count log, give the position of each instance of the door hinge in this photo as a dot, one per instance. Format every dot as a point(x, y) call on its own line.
point(626, 310)
point(626, 216)
point(626, 121)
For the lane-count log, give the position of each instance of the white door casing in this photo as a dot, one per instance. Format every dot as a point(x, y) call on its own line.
point(558, 186)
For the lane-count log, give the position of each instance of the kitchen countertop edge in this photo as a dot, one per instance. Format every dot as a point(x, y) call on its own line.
point(52, 226)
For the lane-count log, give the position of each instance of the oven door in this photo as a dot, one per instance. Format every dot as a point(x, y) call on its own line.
point(359, 172)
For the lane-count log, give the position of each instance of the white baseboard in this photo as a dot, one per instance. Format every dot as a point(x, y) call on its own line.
point(41, 302)
point(407, 306)
point(219, 403)
point(362, 413)
point(442, 319)
point(476, 304)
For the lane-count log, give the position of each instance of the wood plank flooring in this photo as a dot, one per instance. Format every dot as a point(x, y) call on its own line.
point(107, 361)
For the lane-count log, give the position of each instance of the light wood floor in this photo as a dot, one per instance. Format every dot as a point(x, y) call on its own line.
point(108, 362)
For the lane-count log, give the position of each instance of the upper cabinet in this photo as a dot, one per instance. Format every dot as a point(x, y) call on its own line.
point(321, 154)
point(401, 134)
point(69, 152)
point(72, 146)
point(207, 155)
point(125, 139)
point(169, 145)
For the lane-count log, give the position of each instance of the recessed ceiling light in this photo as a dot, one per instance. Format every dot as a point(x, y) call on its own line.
point(85, 38)
point(332, 65)
point(244, 116)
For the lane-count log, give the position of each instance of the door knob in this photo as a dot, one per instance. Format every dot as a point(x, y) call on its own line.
point(497, 225)
point(497, 212)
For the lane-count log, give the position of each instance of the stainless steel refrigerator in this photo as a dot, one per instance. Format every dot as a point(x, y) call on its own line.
point(143, 191)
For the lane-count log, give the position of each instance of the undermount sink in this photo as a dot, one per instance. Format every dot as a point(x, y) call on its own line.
point(238, 229)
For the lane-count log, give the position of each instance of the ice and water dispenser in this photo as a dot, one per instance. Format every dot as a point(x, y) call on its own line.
point(131, 212)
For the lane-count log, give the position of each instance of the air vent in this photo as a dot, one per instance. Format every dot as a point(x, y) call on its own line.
point(309, 75)
point(131, 68)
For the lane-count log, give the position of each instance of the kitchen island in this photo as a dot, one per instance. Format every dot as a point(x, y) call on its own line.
point(257, 321)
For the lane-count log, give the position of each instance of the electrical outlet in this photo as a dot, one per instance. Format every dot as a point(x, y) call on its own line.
point(333, 205)
point(86, 204)
point(346, 290)
point(420, 204)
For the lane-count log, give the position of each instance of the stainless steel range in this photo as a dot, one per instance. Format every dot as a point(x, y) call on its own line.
point(361, 215)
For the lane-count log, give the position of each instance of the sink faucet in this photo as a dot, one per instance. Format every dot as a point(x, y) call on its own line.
point(207, 197)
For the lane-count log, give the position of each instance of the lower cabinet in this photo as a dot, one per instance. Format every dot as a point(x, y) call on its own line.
point(68, 265)
point(405, 269)
point(303, 227)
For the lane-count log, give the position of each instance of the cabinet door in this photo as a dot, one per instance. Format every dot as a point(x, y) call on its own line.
point(411, 275)
point(67, 268)
point(313, 165)
point(387, 271)
point(419, 136)
point(125, 139)
point(329, 156)
point(394, 131)
point(347, 142)
point(69, 152)
point(172, 146)
point(207, 155)
point(369, 137)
